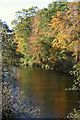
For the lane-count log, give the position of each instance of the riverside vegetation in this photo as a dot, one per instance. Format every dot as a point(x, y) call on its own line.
point(12, 97)
point(47, 38)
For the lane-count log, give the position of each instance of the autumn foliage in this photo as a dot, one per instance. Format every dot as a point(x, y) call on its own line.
point(49, 37)
point(65, 28)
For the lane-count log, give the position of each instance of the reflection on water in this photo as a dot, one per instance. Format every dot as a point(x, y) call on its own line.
point(46, 89)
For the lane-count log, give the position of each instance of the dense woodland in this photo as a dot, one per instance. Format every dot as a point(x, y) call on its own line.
point(47, 38)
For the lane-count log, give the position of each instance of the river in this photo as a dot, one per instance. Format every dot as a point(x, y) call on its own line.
point(46, 90)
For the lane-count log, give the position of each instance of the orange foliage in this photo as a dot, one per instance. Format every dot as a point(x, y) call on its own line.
point(67, 29)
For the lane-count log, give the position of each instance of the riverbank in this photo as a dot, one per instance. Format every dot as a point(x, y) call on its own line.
point(63, 68)
point(13, 100)
point(14, 97)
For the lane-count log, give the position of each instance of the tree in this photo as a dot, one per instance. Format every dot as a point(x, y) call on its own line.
point(22, 28)
point(9, 55)
point(64, 29)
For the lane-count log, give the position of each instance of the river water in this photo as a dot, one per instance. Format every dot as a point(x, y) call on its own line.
point(46, 90)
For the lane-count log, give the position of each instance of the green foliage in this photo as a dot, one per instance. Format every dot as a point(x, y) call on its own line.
point(23, 31)
point(42, 36)
point(47, 38)
point(75, 115)
point(76, 73)
point(9, 55)
point(64, 61)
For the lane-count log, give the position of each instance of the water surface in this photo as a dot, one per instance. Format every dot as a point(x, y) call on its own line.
point(46, 89)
